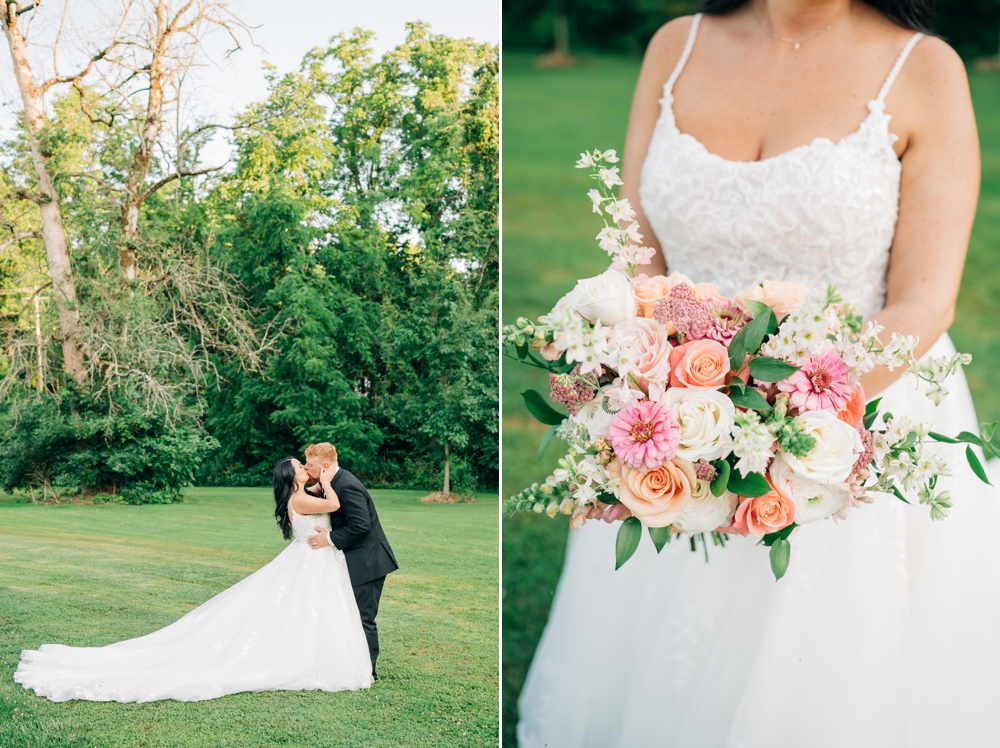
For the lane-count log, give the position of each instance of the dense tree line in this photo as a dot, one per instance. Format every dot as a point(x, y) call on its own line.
point(972, 27)
point(337, 282)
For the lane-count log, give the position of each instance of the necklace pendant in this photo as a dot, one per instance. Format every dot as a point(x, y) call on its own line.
point(795, 46)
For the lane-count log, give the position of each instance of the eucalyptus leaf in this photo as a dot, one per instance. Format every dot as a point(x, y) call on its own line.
point(541, 410)
point(629, 535)
point(660, 536)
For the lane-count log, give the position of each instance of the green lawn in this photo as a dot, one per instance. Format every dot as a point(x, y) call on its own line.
point(92, 575)
point(549, 117)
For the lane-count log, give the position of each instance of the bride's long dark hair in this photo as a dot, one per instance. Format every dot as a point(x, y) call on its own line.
point(917, 15)
point(284, 487)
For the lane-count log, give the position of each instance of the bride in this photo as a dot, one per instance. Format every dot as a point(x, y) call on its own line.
point(292, 625)
point(753, 155)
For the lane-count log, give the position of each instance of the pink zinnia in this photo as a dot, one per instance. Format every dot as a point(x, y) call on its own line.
point(727, 319)
point(821, 384)
point(645, 435)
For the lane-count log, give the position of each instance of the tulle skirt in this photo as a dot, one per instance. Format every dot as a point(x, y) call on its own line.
point(292, 625)
point(884, 633)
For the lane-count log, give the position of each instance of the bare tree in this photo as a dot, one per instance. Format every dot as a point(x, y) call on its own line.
point(163, 50)
point(53, 233)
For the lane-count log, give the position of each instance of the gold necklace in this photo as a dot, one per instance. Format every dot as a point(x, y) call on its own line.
point(797, 42)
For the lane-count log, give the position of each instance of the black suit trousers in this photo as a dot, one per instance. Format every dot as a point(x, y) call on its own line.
point(368, 595)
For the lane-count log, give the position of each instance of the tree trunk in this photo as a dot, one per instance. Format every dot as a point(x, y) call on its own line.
point(447, 469)
point(53, 232)
point(134, 192)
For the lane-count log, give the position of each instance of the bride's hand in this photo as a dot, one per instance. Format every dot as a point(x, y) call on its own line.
point(327, 475)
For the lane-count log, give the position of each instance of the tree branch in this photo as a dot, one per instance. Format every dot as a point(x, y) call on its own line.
point(176, 175)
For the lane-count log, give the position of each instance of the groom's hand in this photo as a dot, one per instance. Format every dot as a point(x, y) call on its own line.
point(320, 539)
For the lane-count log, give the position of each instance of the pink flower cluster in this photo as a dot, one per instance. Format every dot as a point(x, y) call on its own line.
point(572, 390)
point(644, 435)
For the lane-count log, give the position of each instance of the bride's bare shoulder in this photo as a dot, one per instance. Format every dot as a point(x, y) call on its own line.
point(667, 44)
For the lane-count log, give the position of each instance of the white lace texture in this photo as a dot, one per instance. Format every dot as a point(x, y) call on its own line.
point(292, 625)
point(820, 213)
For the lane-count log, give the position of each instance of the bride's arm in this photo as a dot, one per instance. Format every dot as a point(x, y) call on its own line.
point(661, 56)
point(938, 193)
point(309, 504)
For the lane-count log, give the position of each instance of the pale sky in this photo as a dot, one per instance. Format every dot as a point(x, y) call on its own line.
point(285, 31)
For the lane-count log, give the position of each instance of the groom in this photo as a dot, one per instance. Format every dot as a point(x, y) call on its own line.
point(356, 531)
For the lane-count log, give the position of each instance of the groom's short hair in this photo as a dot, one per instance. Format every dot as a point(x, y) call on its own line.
point(325, 451)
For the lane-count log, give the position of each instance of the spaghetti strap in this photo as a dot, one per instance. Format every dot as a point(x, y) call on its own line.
point(668, 87)
point(898, 66)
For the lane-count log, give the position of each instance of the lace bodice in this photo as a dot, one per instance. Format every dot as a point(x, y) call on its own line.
point(821, 213)
point(304, 525)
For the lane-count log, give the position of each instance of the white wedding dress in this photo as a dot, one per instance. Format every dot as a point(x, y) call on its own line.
point(292, 625)
point(885, 631)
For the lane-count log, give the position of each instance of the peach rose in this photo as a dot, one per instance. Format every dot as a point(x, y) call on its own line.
point(649, 292)
point(658, 496)
point(854, 411)
point(782, 296)
point(764, 514)
point(702, 363)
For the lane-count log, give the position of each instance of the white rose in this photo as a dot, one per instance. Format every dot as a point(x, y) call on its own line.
point(837, 448)
point(813, 501)
point(705, 512)
point(606, 297)
point(706, 418)
point(594, 417)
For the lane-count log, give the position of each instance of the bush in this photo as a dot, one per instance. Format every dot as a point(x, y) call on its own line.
point(69, 445)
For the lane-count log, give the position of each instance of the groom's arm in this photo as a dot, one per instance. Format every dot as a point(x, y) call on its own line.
point(354, 505)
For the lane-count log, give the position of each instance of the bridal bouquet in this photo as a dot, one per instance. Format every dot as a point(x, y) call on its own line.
point(695, 414)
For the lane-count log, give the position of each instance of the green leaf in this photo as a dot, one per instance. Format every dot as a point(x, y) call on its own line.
point(541, 410)
point(773, 537)
point(749, 487)
point(607, 498)
point(522, 351)
point(750, 399)
point(976, 465)
point(871, 412)
point(969, 438)
point(756, 329)
point(899, 495)
point(772, 323)
point(942, 438)
point(628, 540)
point(660, 536)
point(738, 349)
point(986, 431)
point(545, 441)
point(766, 369)
point(781, 554)
point(757, 308)
point(721, 483)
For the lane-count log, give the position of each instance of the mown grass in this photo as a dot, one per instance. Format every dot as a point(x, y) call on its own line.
point(549, 117)
point(91, 575)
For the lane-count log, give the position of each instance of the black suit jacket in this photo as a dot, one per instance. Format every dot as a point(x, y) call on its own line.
point(356, 531)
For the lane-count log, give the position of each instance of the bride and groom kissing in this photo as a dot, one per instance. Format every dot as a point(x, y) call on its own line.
point(304, 621)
